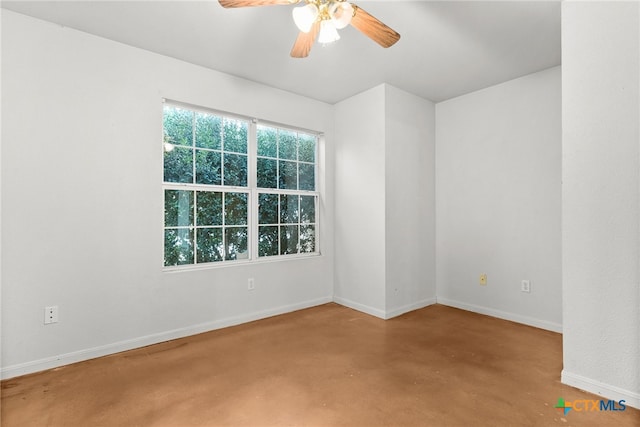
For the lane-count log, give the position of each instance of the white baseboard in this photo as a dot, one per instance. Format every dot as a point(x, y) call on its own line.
point(605, 390)
point(409, 307)
point(359, 307)
point(383, 314)
point(513, 317)
point(105, 350)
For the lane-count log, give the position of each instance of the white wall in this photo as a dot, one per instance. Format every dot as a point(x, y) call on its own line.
point(360, 202)
point(601, 197)
point(410, 202)
point(385, 202)
point(498, 200)
point(82, 200)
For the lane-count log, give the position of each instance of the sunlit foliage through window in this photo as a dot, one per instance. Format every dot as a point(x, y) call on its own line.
point(208, 193)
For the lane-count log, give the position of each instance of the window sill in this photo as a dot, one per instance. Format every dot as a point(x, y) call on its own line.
point(239, 263)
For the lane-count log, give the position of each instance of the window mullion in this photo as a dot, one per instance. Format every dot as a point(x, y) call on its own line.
point(224, 226)
point(194, 157)
point(222, 153)
point(194, 227)
point(252, 182)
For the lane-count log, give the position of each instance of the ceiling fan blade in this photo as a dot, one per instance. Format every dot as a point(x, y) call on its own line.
point(374, 28)
point(248, 3)
point(302, 46)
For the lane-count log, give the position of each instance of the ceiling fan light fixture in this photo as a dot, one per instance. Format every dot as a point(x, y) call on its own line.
point(320, 20)
point(305, 16)
point(328, 32)
point(341, 13)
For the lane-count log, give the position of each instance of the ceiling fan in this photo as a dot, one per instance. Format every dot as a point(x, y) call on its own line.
point(322, 18)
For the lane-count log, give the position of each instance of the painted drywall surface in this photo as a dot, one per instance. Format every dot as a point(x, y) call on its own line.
point(82, 199)
point(409, 201)
point(601, 203)
point(385, 202)
point(360, 201)
point(498, 199)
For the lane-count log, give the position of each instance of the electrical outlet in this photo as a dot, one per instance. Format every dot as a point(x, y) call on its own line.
point(51, 314)
point(251, 284)
point(483, 279)
point(525, 286)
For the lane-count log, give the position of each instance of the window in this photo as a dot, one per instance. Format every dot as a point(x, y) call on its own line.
point(287, 217)
point(236, 189)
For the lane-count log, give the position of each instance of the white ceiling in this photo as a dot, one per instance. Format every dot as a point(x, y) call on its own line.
point(447, 48)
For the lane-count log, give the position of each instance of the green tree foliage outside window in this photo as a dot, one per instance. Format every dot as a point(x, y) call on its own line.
point(218, 218)
point(202, 148)
point(286, 159)
point(206, 194)
point(286, 224)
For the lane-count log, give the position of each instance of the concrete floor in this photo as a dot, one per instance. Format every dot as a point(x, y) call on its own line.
point(325, 366)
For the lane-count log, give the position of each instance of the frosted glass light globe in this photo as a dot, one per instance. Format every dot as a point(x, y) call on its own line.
point(328, 33)
point(341, 14)
point(305, 16)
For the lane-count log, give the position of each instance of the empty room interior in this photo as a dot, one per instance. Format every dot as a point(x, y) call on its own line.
point(320, 212)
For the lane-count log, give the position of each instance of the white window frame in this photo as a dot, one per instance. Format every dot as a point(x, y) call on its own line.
point(251, 190)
